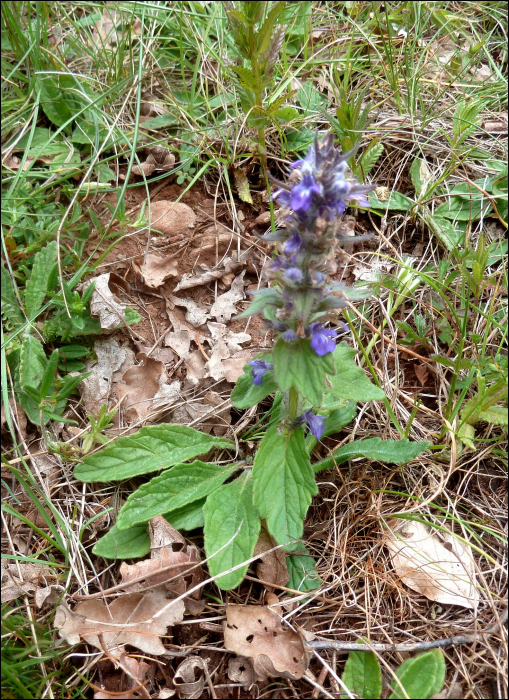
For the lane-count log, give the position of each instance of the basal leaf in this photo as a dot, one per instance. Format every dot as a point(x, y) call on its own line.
point(362, 674)
point(10, 308)
point(125, 544)
point(246, 394)
point(172, 489)
point(390, 451)
point(150, 449)
point(32, 362)
point(297, 365)
point(395, 202)
point(283, 484)
point(350, 381)
point(188, 517)
point(421, 677)
point(232, 520)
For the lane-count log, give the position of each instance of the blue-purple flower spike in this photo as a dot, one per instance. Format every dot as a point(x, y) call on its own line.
point(316, 424)
point(259, 369)
point(322, 339)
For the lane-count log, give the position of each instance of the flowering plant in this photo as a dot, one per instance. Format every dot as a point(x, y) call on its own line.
point(316, 384)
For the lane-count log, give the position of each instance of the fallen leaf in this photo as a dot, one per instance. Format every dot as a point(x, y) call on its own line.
point(443, 571)
point(272, 567)
point(20, 419)
point(129, 619)
point(172, 564)
point(144, 387)
point(129, 666)
point(224, 343)
point(259, 634)
point(105, 302)
point(495, 127)
point(207, 275)
point(195, 368)
point(422, 373)
point(240, 670)
point(157, 270)
point(185, 681)
point(95, 390)
point(174, 219)
point(195, 315)
point(180, 342)
point(158, 158)
point(20, 578)
point(224, 306)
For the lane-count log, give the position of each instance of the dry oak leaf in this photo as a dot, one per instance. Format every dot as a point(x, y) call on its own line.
point(156, 270)
point(176, 562)
point(195, 315)
point(209, 274)
point(187, 685)
point(144, 388)
point(128, 666)
point(32, 577)
point(272, 567)
point(95, 390)
point(224, 306)
point(443, 571)
point(105, 302)
point(240, 670)
point(259, 634)
point(127, 620)
point(174, 219)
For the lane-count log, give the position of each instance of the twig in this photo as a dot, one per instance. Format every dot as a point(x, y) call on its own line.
point(417, 646)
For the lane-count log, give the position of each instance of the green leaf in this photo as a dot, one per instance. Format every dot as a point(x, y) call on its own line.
point(446, 232)
point(494, 414)
point(10, 308)
point(421, 677)
point(161, 122)
point(246, 394)
point(390, 451)
point(466, 434)
point(188, 517)
point(125, 544)
point(350, 381)
point(302, 571)
point(283, 484)
point(150, 449)
point(395, 202)
point(53, 101)
point(362, 674)
point(232, 525)
point(339, 418)
point(370, 156)
point(32, 362)
point(261, 298)
point(49, 374)
point(37, 285)
point(297, 365)
point(172, 489)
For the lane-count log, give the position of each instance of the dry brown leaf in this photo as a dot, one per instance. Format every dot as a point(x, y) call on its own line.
point(209, 274)
point(434, 564)
point(174, 219)
point(195, 368)
point(185, 681)
point(158, 158)
point(224, 343)
point(195, 315)
point(135, 670)
point(95, 390)
point(240, 670)
point(176, 562)
point(224, 306)
point(127, 620)
point(259, 634)
point(144, 388)
point(422, 373)
point(18, 579)
point(180, 342)
point(105, 302)
point(272, 567)
point(157, 270)
point(16, 412)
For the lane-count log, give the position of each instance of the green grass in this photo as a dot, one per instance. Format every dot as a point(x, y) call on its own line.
point(418, 86)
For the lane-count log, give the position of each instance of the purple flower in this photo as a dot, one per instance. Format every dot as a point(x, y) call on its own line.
point(316, 424)
point(259, 369)
point(289, 336)
point(293, 244)
point(322, 339)
point(302, 194)
point(293, 274)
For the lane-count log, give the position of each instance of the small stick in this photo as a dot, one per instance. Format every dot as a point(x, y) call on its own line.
point(417, 646)
point(200, 346)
